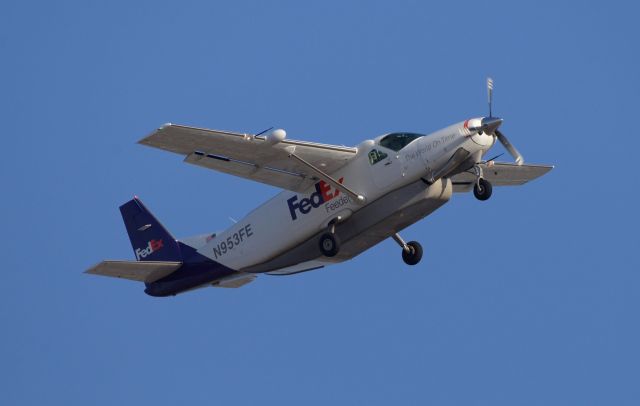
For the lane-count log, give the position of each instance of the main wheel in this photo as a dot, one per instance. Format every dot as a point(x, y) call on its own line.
point(329, 245)
point(482, 190)
point(414, 255)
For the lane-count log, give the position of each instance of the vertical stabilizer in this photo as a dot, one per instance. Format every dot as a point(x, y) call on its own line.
point(149, 239)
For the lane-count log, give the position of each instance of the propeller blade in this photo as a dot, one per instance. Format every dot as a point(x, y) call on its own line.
point(509, 147)
point(490, 95)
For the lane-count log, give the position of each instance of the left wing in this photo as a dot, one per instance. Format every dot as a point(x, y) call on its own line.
point(500, 174)
point(249, 156)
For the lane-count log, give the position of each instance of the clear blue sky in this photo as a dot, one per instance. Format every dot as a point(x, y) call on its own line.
point(530, 298)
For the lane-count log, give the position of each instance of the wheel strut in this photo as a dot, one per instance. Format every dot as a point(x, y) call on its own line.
point(477, 169)
point(396, 237)
point(332, 226)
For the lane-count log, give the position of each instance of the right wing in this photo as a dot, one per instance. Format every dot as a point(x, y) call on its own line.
point(250, 157)
point(500, 174)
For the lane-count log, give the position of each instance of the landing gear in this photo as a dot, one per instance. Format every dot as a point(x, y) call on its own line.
point(411, 251)
point(329, 244)
point(482, 190)
point(414, 254)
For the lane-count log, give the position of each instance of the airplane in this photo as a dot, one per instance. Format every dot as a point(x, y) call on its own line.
point(337, 201)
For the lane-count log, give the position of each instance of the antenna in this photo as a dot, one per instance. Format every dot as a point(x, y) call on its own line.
point(263, 131)
point(490, 94)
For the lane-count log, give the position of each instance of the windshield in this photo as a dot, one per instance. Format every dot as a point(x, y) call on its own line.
point(397, 141)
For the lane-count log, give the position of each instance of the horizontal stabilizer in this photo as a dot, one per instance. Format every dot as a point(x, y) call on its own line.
point(141, 271)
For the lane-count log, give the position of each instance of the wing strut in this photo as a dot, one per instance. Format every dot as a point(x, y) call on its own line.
point(358, 198)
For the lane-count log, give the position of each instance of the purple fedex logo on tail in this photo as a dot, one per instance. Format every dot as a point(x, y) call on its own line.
point(153, 246)
point(323, 194)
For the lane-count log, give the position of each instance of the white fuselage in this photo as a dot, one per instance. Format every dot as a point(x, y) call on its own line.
point(290, 218)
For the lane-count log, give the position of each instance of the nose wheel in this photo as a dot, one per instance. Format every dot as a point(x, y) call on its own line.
point(482, 189)
point(411, 251)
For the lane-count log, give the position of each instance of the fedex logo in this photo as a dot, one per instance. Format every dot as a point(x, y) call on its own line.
point(323, 194)
point(154, 245)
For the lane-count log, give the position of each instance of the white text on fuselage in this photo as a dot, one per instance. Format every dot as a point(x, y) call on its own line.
point(431, 146)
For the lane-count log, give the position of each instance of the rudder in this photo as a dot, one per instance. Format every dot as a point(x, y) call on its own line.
point(150, 240)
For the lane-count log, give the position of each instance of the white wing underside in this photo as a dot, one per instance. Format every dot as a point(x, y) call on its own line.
point(250, 157)
point(500, 174)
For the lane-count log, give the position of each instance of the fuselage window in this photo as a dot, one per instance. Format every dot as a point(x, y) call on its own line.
point(376, 156)
point(397, 141)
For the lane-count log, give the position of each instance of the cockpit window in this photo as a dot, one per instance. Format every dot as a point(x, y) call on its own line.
point(376, 156)
point(397, 141)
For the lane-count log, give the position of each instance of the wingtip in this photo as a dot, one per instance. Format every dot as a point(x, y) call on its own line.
point(144, 140)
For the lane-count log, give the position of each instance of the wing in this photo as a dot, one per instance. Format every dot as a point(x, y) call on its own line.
point(250, 157)
point(500, 174)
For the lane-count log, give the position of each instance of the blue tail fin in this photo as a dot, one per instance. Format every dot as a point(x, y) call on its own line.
point(149, 239)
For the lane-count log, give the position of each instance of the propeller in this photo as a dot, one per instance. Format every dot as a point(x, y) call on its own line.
point(490, 94)
point(509, 147)
point(490, 125)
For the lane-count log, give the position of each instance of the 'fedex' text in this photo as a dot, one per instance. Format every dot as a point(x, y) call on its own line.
point(323, 194)
point(153, 246)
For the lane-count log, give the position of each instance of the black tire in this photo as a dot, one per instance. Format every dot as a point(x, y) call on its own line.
point(482, 190)
point(414, 255)
point(329, 245)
